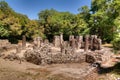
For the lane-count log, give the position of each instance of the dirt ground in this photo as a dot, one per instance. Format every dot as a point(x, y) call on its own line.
point(12, 70)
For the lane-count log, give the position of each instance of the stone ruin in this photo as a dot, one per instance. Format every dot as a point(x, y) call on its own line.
point(77, 50)
point(89, 42)
point(88, 47)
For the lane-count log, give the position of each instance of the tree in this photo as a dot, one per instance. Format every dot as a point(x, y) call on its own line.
point(33, 29)
point(102, 19)
point(116, 40)
point(55, 22)
point(84, 11)
point(14, 25)
point(4, 31)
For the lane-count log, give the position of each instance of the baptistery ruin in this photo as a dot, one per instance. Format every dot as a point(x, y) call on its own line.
point(79, 49)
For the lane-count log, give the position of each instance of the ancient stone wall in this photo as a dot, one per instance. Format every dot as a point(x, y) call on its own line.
point(45, 56)
point(99, 56)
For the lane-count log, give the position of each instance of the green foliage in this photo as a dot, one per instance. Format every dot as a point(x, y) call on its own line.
point(116, 40)
point(3, 31)
point(33, 29)
point(116, 44)
point(14, 25)
point(102, 19)
point(85, 13)
point(55, 22)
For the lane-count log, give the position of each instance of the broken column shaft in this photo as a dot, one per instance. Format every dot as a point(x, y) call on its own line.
point(23, 41)
point(86, 43)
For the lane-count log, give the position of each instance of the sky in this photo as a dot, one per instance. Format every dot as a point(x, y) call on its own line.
point(31, 8)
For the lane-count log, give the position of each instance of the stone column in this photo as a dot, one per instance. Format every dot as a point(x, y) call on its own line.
point(99, 43)
point(79, 40)
point(73, 45)
point(61, 38)
point(95, 42)
point(39, 42)
point(62, 48)
point(57, 41)
point(71, 39)
point(61, 43)
point(35, 43)
point(54, 42)
point(91, 42)
point(86, 47)
point(23, 41)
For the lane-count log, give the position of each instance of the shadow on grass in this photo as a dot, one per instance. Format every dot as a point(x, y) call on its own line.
point(115, 69)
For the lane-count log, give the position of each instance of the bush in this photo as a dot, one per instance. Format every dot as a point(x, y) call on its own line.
point(116, 44)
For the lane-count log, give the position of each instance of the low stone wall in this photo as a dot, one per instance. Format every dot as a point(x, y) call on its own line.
point(49, 58)
point(45, 56)
point(99, 56)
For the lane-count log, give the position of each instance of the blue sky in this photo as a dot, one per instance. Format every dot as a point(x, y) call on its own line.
point(31, 8)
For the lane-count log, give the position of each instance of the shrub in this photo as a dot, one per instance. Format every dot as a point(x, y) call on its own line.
point(116, 44)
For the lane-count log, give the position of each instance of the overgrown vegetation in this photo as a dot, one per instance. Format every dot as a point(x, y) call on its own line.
point(102, 19)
